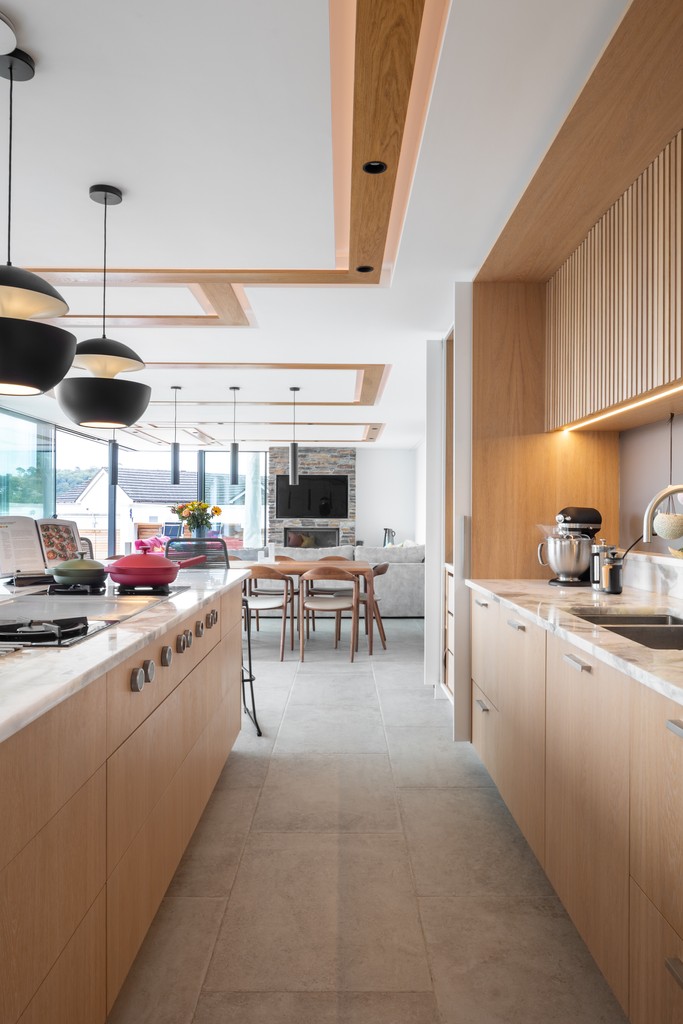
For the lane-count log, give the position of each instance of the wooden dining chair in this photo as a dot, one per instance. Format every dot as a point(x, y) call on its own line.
point(377, 570)
point(262, 600)
point(329, 602)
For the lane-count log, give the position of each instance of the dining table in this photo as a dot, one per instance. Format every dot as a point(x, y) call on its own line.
point(354, 566)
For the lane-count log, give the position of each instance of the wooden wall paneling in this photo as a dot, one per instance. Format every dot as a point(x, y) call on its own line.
point(46, 890)
point(521, 476)
point(42, 766)
point(677, 339)
point(74, 991)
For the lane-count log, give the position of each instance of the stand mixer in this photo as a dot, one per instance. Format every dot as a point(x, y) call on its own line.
point(569, 546)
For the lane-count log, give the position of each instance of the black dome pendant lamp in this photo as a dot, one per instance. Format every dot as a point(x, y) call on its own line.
point(234, 447)
point(101, 400)
point(33, 357)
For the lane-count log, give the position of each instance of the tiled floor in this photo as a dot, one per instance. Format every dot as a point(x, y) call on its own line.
point(354, 866)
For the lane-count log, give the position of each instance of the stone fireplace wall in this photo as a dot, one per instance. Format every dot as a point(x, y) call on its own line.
point(330, 461)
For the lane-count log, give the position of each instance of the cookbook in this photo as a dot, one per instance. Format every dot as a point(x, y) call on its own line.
point(31, 546)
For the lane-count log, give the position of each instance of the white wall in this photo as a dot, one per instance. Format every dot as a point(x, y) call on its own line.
point(421, 493)
point(386, 494)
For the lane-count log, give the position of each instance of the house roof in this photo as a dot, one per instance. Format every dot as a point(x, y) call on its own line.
point(153, 486)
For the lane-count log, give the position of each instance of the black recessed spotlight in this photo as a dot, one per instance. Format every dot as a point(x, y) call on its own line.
point(364, 269)
point(374, 167)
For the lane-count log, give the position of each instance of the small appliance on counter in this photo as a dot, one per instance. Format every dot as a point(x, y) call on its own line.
point(569, 546)
point(600, 552)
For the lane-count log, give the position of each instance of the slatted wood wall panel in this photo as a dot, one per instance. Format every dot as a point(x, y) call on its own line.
point(613, 309)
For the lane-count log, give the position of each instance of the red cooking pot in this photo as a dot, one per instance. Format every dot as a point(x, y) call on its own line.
point(146, 570)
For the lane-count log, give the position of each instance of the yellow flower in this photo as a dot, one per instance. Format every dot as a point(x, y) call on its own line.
point(216, 511)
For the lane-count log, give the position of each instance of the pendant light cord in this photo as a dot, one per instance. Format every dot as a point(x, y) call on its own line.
point(9, 172)
point(234, 414)
point(104, 270)
point(294, 417)
point(175, 415)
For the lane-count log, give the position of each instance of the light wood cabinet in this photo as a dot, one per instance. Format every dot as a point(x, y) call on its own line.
point(486, 731)
point(587, 802)
point(485, 642)
point(521, 703)
point(449, 631)
point(656, 965)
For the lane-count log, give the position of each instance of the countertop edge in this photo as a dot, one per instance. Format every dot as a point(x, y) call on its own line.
point(34, 693)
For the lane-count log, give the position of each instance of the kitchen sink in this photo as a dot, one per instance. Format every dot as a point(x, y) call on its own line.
point(659, 638)
point(646, 619)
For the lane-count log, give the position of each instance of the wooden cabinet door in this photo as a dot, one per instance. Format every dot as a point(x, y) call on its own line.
point(587, 802)
point(521, 702)
point(486, 731)
point(485, 640)
point(656, 965)
point(657, 801)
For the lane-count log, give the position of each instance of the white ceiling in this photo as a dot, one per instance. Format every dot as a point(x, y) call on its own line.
point(214, 118)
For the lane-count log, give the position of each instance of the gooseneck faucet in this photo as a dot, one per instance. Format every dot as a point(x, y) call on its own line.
point(648, 518)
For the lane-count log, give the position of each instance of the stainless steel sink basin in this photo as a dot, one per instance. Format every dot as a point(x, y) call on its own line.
point(629, 619)
point(657, 637)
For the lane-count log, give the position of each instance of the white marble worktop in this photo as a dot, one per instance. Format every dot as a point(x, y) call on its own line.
point(551, 608)
point(33, 680)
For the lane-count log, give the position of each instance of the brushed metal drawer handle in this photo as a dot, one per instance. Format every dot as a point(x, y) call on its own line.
point(519, 626)
point(199, 628)
point(675, 967)
point(187, 633)
point(166, 656)
point(483, 707)
point(580, 666)
point(675, 726)
point(482, 604)
point(180, 643)
point(149, 670)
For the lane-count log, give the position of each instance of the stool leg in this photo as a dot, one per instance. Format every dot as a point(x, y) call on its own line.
point(248, 675)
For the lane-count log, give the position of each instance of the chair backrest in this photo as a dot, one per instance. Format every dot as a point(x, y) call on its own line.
point(379, 570)
point(173, 529)
point(266, 572)
point(335, 558)
point(213, 548)
point(86, 544)
point(328, 572)
point(283, 558)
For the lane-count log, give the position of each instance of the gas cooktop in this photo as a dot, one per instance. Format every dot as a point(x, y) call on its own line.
point(48, 632)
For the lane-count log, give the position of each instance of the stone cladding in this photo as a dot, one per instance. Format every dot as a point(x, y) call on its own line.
point(326, 461)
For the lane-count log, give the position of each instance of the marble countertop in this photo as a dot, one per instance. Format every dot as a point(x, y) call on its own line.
point(552, 607)
point(33, 680)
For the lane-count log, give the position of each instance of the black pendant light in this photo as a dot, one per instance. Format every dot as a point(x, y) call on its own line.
point(33, 357)
point(294, 447)
point(175, 447)
point(101, 400)
point(234, 447)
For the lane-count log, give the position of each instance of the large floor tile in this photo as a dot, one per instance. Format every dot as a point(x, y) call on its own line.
point(328, 793)
point(428, 756)
point(317, 1008)
point(503, 960)
point(210, 861)
point(321, 913)
point(463, 842)
point(414, 710)
point(343, 729)
point(164, 983)
point(333, 688)
point(247, 767)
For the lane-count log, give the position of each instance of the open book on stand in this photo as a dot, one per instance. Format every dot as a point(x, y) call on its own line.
point(29, 547)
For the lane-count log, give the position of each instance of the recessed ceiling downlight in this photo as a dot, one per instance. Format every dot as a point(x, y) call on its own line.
point(374, 167)
point(364, 269)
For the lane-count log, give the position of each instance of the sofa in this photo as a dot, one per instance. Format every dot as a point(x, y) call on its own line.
point(400, 590)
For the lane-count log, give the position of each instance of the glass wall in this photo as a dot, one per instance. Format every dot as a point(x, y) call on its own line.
point(243, 506)
point(145, 494)
point(82, 486)
point(26, 467)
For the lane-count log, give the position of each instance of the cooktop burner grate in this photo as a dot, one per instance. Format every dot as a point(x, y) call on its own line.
point(49, 633)
point(77, 589)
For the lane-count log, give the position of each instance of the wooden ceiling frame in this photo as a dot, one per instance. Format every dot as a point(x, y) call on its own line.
point(388, 34)
point(371, 432)
point(371, 379)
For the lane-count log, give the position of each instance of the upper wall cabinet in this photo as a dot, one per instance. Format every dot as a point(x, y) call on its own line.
point(613, 309)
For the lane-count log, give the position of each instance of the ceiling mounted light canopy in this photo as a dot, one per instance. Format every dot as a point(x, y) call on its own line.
point(33, 356)
point(101, 400)
point(294, 447)
point(234, 447)
point(175, 447)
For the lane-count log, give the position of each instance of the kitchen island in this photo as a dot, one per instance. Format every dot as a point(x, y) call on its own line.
point(109, 752)
point(582, 732)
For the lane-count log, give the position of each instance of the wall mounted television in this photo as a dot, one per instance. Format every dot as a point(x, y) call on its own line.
point(314, 497)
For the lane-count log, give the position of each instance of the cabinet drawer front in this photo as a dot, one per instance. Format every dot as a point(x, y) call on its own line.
point(141, 769)
point(657, 801)
point(74, 991)
point(485, 642)
point(231, 609)
point(46, 891)
point(656, 994)
point(126, 708)
point(42, 766)
point(485, 730)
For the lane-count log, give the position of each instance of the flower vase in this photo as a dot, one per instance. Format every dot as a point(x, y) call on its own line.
point(199, 531)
